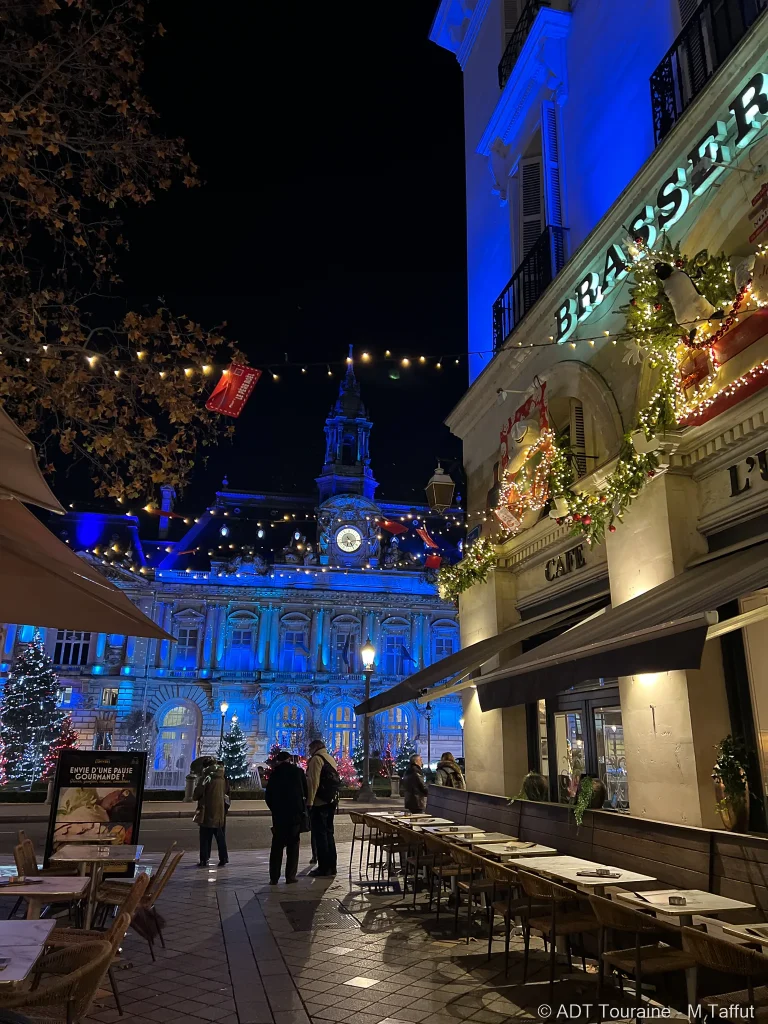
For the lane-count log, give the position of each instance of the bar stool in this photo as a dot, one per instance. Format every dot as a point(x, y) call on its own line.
point(357, 820)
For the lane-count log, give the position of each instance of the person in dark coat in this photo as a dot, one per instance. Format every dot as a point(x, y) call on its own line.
point(211, 793)
point(413, 787)
point(286, 797)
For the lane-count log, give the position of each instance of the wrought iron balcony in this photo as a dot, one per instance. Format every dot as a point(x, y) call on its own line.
point(708, 37)
point(518, 37)
point(539, 268)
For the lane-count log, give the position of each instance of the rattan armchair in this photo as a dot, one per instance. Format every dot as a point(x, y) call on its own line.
point(69, 938)
point(66, 995)
point(479, 882)
point(730, 958)
point(651, 953)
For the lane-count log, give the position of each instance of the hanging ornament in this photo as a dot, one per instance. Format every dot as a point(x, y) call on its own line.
point(688, 304)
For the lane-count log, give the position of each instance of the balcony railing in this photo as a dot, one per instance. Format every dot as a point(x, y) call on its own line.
point(539, 268)
point(708, 37)
point(518, 37)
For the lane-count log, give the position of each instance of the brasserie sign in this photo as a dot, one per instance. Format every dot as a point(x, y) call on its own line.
point(715, 150)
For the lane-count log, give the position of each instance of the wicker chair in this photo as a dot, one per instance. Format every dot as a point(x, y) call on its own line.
point(730, 958)
point(444, 866)
point(26, 862)
point(69, 938)
point(655, 957)
point(479, 882)
point(566, 918)
point(418, 857)
point(358, 820)
point(115, 887)
point(67, 994)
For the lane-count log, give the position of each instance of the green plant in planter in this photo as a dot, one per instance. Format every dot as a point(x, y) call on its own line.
point(729, 775)
point(583, 798)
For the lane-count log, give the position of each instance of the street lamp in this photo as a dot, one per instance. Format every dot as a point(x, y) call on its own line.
point(368, 654)
point(223, 708)
point(461, 725)
point(428, 716)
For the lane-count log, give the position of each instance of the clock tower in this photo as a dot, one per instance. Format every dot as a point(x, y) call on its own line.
point(347, 469)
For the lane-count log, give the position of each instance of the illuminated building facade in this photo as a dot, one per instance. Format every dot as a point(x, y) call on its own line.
point(270, 598)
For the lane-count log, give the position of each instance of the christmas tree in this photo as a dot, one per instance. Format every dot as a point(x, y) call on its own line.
point(274, 750)
point(403, 759)
point(233, 755)
point(66, 738)
point(30, 718)
point(387, 762)
point(138, 731)
point(347, 771)
point(358, 757)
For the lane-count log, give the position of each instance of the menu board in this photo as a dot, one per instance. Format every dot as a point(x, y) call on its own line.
point(97, 797)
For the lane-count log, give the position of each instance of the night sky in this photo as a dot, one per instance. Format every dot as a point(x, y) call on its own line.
point(329, 140)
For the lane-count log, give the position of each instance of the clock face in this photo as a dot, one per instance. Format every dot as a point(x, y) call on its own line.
point(348, 539)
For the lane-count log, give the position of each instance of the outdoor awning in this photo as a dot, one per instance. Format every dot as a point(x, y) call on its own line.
point(468, 659)
point(44, 583)
point(20, 475)
point(661, 630)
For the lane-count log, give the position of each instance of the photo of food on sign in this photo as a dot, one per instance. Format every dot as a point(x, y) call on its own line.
point(95, 813)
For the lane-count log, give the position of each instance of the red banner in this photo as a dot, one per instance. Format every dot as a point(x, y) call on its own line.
point(391, 527)
point(423, 533)
point(233, 390)
point(432, 562)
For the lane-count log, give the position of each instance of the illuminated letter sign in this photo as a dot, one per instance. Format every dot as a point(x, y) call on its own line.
point(706, 162)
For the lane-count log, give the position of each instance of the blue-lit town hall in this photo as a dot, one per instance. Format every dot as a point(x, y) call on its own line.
point(270, 598)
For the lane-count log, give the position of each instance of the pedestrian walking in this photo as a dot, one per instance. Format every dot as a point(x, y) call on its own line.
point(413, 786)
point(448, 772)
point(212, 794)
point(323, 785)
point(286, 797)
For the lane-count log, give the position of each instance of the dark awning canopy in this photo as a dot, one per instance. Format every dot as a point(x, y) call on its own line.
point(468, 659)
point(661, 630)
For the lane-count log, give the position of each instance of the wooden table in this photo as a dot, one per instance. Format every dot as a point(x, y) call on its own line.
point(508, 851)
point(453, 831)
point(23, 942)
point(97, 856)
point(47, 889)
point(757, 934)
point(696, 902)
point(422, 823)
point(566, 869)
point(486, 838)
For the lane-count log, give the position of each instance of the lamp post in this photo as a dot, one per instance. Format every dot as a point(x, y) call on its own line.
point(461, 725)
point(368, 654)
point(223, 707)
point(428, 716)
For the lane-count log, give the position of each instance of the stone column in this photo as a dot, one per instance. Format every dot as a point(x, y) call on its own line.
point(101, 645)
point(426, 641)
point(10, 641)
point(274, 641)
point(325, 651)
point(415, 645)
point(265, 622)
point(315, 632)
point(166, 615)
point(672, 720)
point(495, 742)
point(209, 635)
point(220, 637)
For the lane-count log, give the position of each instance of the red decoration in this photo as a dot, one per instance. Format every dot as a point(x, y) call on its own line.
point(742, 336)
point(424, 534)
point(433, 561)
point(233, 390)
point(612, 528)
point(587, 520)
point(392, 527)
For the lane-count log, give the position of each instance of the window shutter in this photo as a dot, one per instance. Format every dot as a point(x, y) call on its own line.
point(551, 150)
point(578, 436)
point(687, 7)
point(511, 14)
point(531, 205)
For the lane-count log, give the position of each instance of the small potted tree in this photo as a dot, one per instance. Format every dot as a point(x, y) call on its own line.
point(731, 787)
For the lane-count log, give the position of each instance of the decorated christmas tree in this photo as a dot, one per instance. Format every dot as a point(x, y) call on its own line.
point(387, 762)
point(233, 755)
point(30, 718)
point(270, 762)
point(358, 757)
point(138, 731)
point(347, 771)
point(403, 759)
point(66, 738)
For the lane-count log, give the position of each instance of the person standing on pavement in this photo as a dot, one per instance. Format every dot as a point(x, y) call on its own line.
point(211, 793)
point(413, 786)
point(286, 797)
point(448, 772)
point(323, 785)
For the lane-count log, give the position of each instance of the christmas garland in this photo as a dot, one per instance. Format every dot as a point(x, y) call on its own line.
point(453, 580)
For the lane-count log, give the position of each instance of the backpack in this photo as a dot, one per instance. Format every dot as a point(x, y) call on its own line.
point(329, 786)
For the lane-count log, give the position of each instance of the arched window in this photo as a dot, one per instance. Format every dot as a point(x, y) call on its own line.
point(393, 728)
point(345, 644)
point(290, 724)
point(241, 641)
point(341, 729)
point(294, 648)
point(176, 743)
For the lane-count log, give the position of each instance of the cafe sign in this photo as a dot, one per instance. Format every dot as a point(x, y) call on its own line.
point(718, 146)
point(565, 564)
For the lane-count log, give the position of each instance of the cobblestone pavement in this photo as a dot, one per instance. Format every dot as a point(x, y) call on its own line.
point(239, 951)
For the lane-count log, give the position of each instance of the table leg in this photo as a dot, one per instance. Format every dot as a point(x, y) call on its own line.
point(34, 906)
point(93, 886)
point(690, 975)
